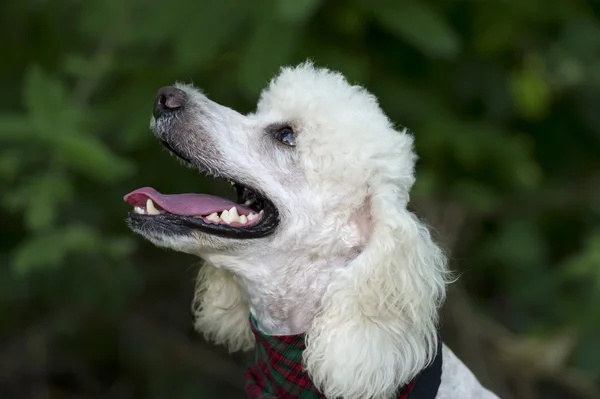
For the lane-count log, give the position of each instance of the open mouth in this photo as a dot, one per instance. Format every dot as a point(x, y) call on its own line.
point(251, 216)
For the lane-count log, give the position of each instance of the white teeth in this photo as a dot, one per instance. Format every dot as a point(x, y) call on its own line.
point(150, 208)
point(225, 216)
point(230, 216)
point(139, 210)
point(233, 215)
point(249, 202)
point(213, 217)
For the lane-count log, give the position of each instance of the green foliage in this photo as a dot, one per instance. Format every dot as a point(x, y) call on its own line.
point(54, 246)
point(585, 264)
point(502, 98)
point(530, 90)
point(420, 25)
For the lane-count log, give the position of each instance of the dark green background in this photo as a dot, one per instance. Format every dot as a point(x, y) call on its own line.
point(504, 101)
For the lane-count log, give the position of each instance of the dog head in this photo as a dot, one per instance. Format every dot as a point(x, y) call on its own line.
point(323, 181)
point(305, 159)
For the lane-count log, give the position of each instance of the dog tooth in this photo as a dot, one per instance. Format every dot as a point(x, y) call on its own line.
point(225, 216)
point(243, 219)
point(139, 210)
point(249, 202)
point(233, 215)
point(252, 216)
point(213, 217)
point(151, 208)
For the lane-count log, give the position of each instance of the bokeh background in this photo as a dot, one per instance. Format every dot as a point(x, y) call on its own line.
point(502, 96)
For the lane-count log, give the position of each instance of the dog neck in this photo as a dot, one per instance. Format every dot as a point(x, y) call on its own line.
point(283, 291)
point(284, 287)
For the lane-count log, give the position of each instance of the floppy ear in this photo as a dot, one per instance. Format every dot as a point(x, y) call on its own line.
point(377, 326)
point(220, 310)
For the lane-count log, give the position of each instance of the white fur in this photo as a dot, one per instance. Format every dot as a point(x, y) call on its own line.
point(220, 310)
point(349, 265)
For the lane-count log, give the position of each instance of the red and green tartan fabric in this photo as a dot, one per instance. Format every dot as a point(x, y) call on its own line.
point(277, 369)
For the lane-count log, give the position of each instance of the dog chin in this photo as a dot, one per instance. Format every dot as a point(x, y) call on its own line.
point(193, 243)
point(187, 243)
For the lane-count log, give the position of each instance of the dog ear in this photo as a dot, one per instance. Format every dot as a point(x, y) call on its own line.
point(220, 310)
point(377, 326)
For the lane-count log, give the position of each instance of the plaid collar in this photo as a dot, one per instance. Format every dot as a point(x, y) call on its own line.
point(277, 371)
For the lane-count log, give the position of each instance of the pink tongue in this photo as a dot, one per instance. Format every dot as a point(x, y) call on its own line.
point(183, 204)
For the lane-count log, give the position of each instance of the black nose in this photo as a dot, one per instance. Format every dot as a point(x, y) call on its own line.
point(168, 99)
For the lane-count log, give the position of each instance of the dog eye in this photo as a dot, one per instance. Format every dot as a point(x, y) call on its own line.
point(286, 136)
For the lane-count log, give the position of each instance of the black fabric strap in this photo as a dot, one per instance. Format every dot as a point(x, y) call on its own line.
point(428, 381)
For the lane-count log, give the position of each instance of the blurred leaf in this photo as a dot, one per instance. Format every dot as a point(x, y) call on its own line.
point(497, 27)
point(469, 145)
point(476, 197)
point(49, 249)
point(40, 198)
point(580, 35)
point(214, 23)
point(294, 10)
point(134, 130)
point(14, 127)
point(89, 156)
point(530, 91)
point(57, 124)
point(269, 47)
point(425, 185)
point(75, 64)
point(120, 247)
point(518, 244)
point(93, 19)
point(46, 100)
point(10, 162)
point(586, 264)
point(421, 26)
point(527, 174)
point(350, 20)
point(353, 66)
point(87, 68)
point(587, 353)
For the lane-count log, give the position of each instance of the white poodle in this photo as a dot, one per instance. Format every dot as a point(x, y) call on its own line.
point(319, 244)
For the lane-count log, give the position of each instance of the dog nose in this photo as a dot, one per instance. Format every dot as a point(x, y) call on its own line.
point(168, 99)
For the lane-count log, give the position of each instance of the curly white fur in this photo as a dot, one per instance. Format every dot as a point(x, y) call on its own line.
point(349, 265)
point(220, 310)
point(376, 328)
